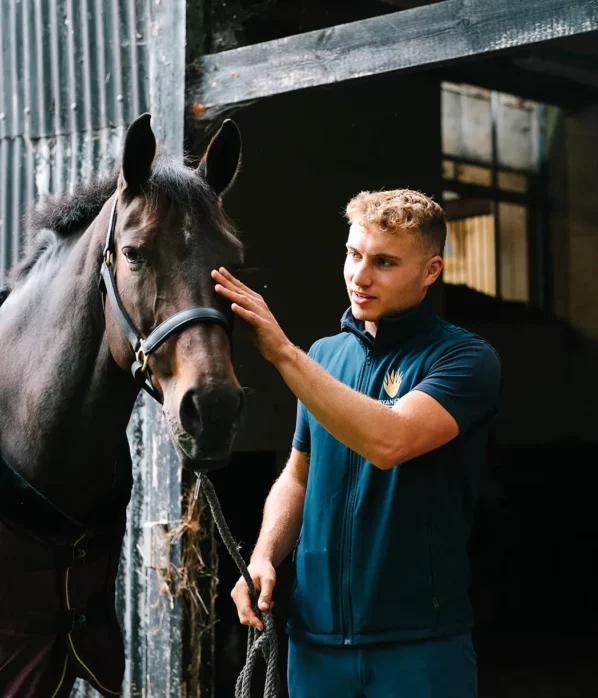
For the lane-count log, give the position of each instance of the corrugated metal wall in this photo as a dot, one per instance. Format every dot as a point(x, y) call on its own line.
point(73, 74)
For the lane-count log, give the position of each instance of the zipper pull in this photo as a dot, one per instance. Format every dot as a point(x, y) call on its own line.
point(368, 359)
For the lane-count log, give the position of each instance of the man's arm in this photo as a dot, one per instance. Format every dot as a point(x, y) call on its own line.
point(283, 511)
point(385, 437)
point(283, 515)
point(421, 421)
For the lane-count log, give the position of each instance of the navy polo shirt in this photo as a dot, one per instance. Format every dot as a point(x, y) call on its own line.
point(382, 554)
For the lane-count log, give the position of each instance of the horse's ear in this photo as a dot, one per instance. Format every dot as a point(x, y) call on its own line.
point(138, 153)
point(220, 162)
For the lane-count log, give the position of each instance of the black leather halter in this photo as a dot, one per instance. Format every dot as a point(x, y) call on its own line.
point(143, 348)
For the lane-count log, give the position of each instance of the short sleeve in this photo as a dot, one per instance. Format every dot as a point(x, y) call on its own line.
point(467, 381)
point(302, 438)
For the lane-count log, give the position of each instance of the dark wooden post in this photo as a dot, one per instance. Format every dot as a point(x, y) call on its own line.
point(161, 469)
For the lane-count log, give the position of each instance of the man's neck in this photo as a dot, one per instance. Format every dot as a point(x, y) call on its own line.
point(371, 327)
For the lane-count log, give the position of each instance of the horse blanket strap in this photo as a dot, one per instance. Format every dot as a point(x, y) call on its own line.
point(61, 557)
point(96, 611)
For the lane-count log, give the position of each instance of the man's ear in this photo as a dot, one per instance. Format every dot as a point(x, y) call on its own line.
point(220, 163)
point(138, 153)
point(434, 267)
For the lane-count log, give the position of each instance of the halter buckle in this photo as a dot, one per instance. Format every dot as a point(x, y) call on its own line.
point(142, 358)
point(108, 258)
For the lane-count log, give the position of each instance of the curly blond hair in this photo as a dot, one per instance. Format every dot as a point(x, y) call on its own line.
point(401, 209)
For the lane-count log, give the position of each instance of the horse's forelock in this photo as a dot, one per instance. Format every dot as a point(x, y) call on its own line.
point(183, 187)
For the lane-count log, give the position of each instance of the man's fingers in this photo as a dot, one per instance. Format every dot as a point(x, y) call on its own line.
point(246, 301)
point(240, 595)
point(248, 617)
point(224, 275)
point(232, 279)
point(237, 296)
point(265, 599)
point(227, 281)
point(241, 305)
point(251, 318)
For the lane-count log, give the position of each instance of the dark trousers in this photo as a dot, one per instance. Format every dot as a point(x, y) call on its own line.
point(438, 668)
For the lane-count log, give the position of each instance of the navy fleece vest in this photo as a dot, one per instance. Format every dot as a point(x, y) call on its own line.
point(382, 554)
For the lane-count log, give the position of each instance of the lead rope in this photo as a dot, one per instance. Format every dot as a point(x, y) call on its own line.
point(264, 643)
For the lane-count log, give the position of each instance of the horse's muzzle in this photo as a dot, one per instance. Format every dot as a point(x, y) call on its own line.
point(210, 417)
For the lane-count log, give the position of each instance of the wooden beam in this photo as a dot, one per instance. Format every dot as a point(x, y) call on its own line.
point(458, 209)
point(477, 191)
point(413, 39)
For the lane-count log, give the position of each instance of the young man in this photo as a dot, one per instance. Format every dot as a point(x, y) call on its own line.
point(381, 483)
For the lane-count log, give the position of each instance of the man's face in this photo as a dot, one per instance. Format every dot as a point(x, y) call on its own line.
point(386, 273)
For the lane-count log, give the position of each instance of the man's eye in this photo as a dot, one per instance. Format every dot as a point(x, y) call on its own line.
point(133, 256)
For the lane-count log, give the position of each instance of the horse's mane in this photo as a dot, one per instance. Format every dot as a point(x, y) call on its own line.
point(72, 212)
point(62, 216)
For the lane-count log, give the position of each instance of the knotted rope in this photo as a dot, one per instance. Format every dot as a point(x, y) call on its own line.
point(264, 643)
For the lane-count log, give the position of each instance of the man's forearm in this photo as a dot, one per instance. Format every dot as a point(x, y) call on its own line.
point(358, 421)
point(283, 515)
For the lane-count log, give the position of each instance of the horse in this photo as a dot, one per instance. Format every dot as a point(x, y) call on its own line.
point(114, 295)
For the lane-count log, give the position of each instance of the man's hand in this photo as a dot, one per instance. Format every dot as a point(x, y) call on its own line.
point(251, 307)
point(263, 574)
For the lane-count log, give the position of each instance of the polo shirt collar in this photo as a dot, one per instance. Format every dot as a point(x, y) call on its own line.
point(393, 329)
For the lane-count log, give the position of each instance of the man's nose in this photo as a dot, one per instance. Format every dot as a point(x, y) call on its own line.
point(362, 276)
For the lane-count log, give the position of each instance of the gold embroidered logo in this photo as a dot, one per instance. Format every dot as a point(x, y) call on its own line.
point(392, 382)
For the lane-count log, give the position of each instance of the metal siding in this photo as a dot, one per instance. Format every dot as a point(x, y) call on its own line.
point(73, 74)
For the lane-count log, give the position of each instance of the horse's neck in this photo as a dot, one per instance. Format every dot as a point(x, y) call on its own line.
point(65, 403)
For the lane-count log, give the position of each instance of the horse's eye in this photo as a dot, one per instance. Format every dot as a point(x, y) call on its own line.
point(133, 256)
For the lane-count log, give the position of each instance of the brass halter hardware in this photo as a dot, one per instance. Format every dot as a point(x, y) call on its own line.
point(143, 358)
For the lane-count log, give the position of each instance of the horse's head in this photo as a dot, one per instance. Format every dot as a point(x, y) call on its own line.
point(171, 231)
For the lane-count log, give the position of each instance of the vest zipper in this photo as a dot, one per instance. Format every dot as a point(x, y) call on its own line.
point(346, 620)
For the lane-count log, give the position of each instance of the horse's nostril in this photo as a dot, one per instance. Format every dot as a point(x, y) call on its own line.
point(212, 411)
point(190, 413)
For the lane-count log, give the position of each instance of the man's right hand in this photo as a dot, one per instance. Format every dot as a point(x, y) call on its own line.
point(263, 574)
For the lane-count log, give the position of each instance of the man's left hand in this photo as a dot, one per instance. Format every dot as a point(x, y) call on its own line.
point(252, 308)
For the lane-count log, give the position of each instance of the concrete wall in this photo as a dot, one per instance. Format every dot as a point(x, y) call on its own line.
point(304, 156)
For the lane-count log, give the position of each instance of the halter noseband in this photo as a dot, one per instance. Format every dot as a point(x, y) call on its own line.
point(143, 348)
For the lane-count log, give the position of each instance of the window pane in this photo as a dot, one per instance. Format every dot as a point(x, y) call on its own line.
point(513, 252)
point(473, 174)
point(466, 122)
point(513, 181)
point(517, 133)
point(469, 254)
